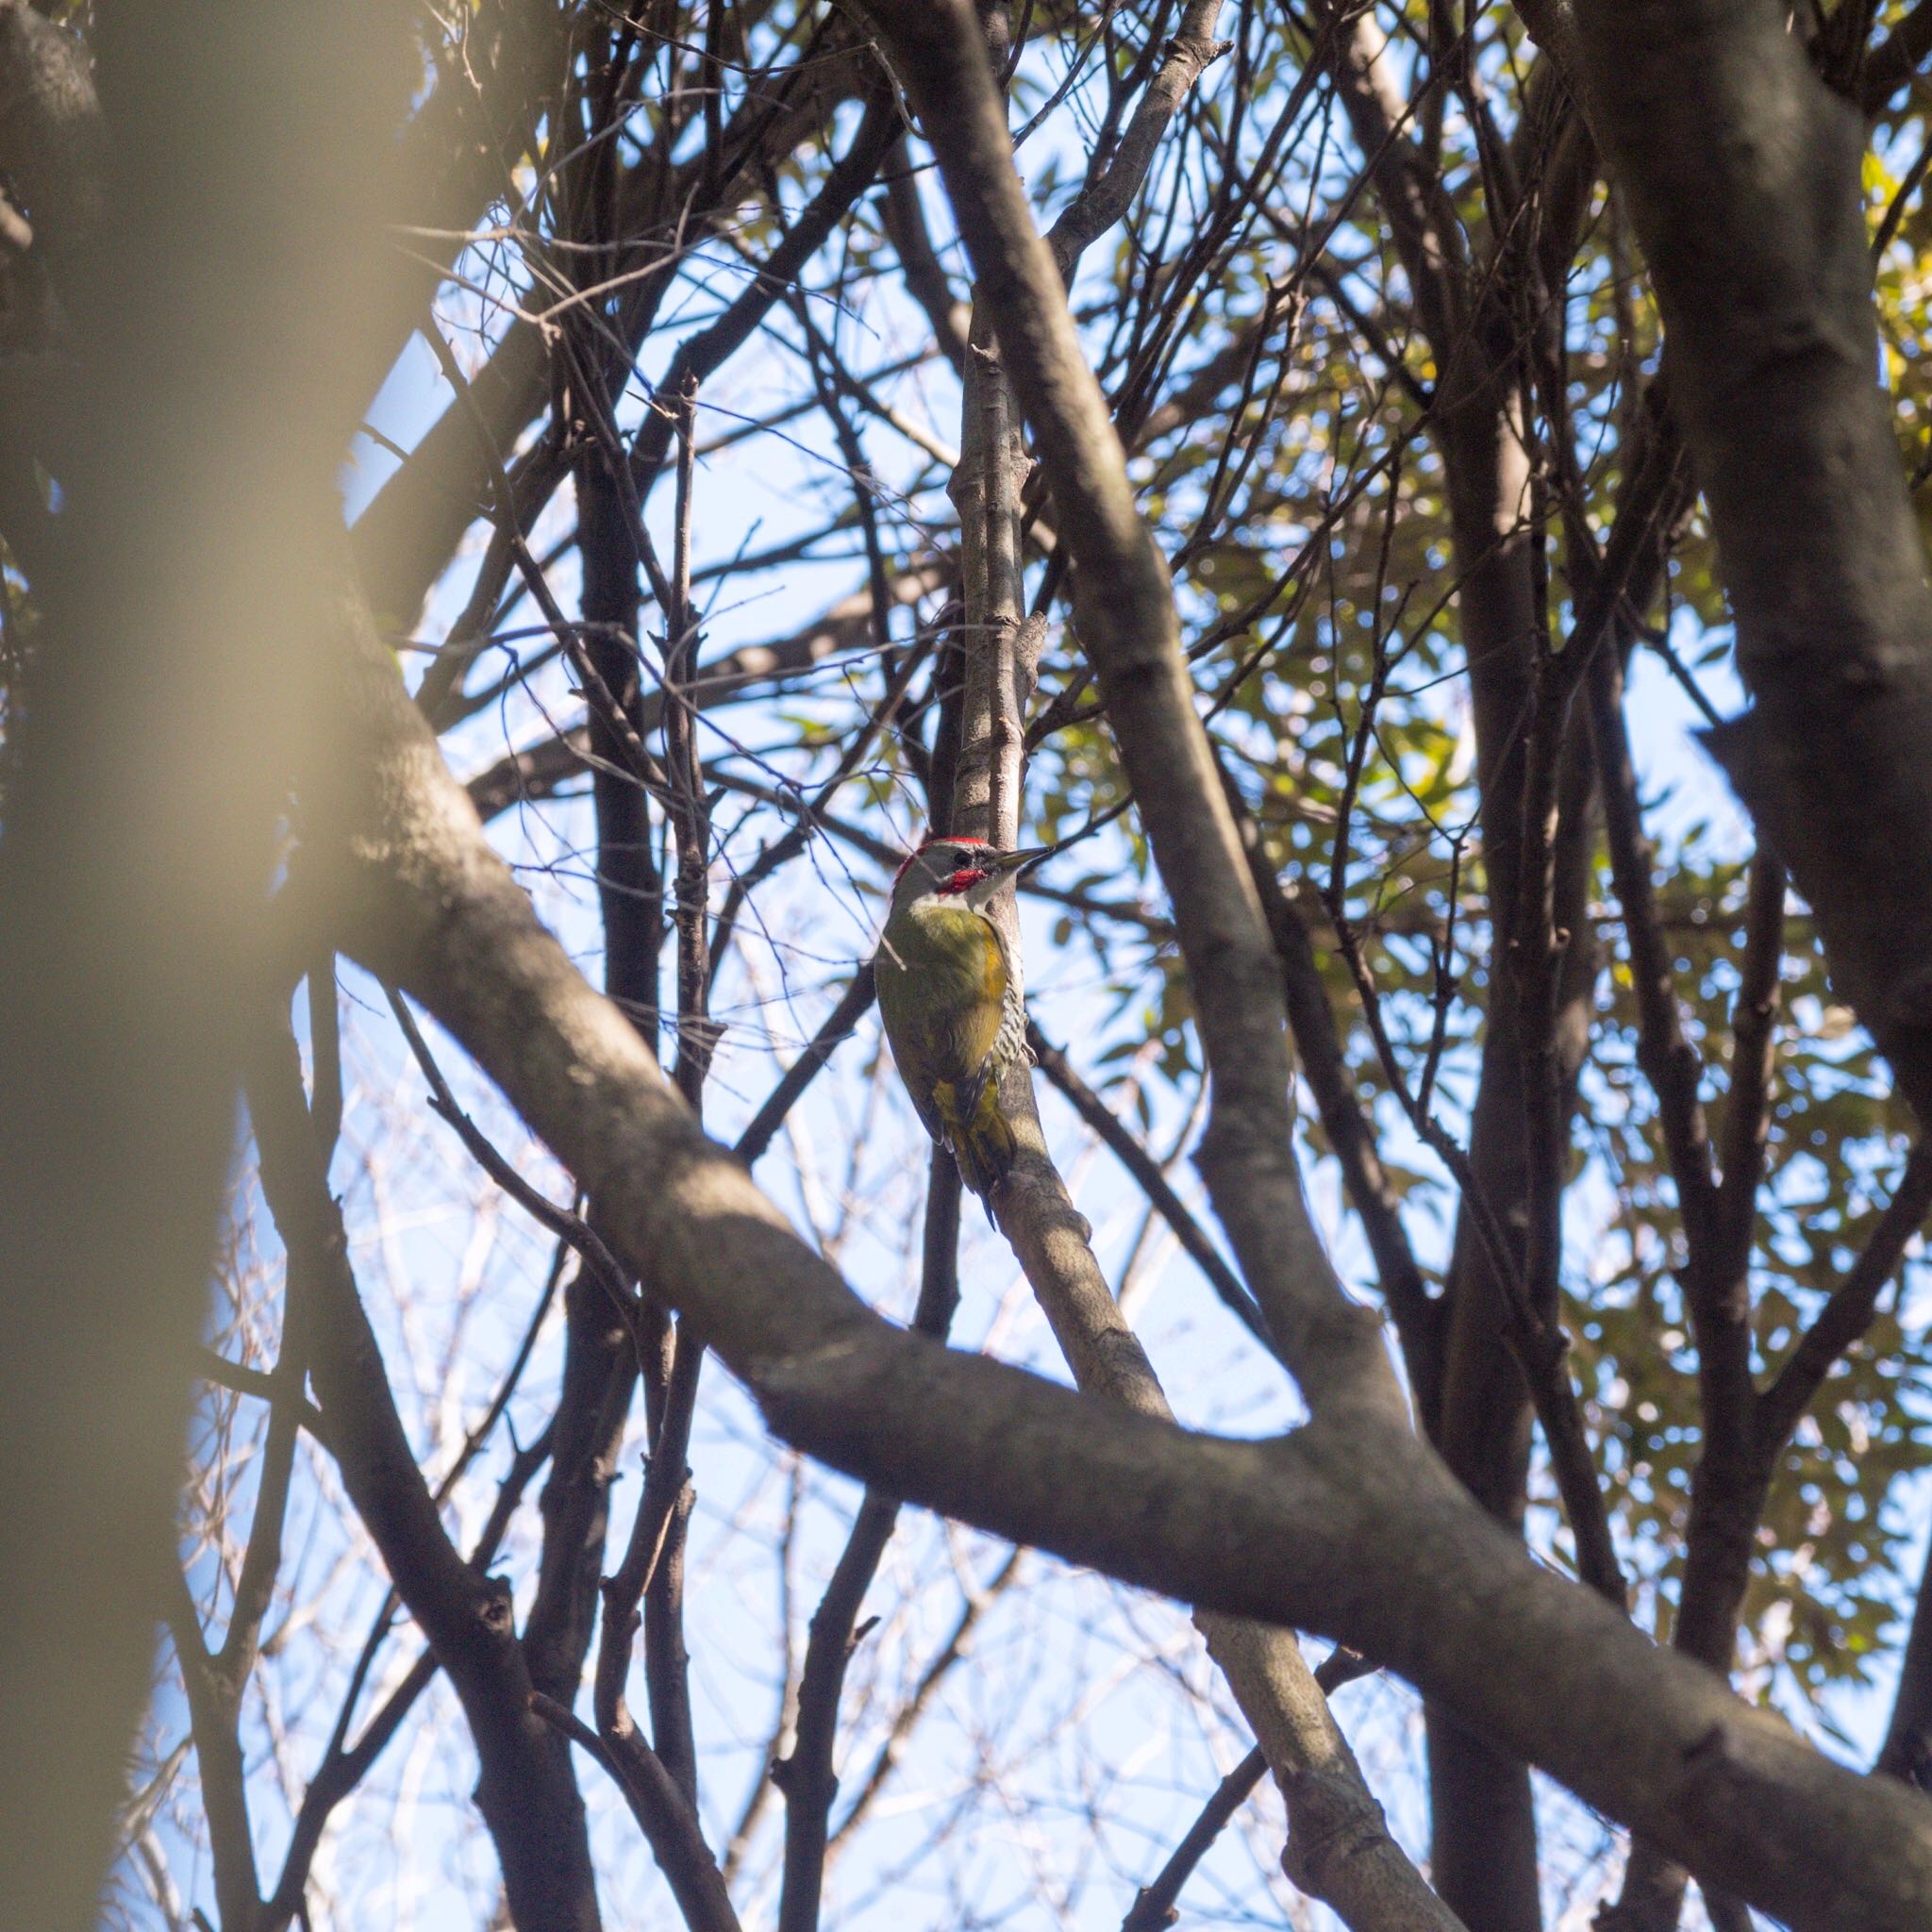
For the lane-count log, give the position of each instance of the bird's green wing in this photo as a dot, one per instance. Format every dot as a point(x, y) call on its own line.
point(942, 984)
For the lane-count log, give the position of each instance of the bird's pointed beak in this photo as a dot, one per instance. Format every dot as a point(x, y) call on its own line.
point(1018, 861)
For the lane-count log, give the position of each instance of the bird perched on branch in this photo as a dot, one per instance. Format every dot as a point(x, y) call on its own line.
point(953, 1000)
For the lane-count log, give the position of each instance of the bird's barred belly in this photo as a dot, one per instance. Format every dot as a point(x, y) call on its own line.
point(1009, 1044)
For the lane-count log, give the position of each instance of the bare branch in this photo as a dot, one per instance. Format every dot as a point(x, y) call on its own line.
point(837, 1027)
point(1153, 1909)
point(1851, 1304)
point(343, 1766)
point(525, 1792)
point(215, 1707)
point(705, 352)
point(668, 1824)
point(1106, 198)
point(1418, 1319)
point(536, 771)
point(568, 1227)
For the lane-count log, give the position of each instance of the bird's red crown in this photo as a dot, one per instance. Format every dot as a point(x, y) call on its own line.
point(952, 838)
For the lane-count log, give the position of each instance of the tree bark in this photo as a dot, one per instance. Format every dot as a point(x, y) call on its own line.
point(1741, 172)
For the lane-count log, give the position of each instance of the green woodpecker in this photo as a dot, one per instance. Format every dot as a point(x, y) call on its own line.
point(952, 1000)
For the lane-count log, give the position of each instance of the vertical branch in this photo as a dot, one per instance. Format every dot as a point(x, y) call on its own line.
point(985, 489)
point(1744, 1433)
point(599, 1377)
point(525, 1790)
point(903, 218)
point(214, 1708)
point(948, 702)
point(1669, 1060)
point(1733, 1473)
point(1906, 1752)
point(667, 1661)
point(601, 1358)
point(1735, 1465)
point(630, 894)
point(254, 1586)
point(1747, 1107)
point(1526, 1328)
point(690, 812)
point(1536, 945)
point(326, 1044)
point(999, 654)
point(215, 1682)
point(807, 1776)
point(667, 1677)
point(665, 1489)
point(1483, 1823)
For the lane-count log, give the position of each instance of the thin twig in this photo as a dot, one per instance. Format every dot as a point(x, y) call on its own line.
point(1147, 1175)
point(567, 1226)
point(837, 1027)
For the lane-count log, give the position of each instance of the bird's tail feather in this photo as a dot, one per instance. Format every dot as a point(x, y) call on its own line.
point(977, 1132)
